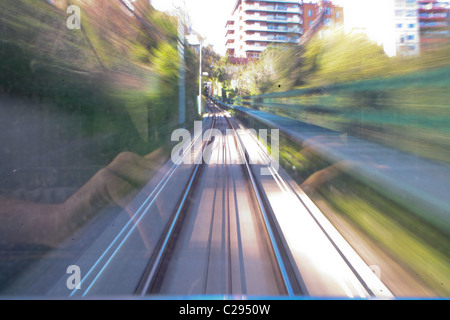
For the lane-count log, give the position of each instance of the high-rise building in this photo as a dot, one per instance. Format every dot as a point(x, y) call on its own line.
point(434, 24)
point(406, 22)
point(421, 25)
point(333, 15)
point(255, 24)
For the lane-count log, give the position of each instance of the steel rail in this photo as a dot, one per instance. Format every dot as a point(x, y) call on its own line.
point(134, 221)
point(278, 252)
point(150, 275)
point(353, 261)
point(291, 285)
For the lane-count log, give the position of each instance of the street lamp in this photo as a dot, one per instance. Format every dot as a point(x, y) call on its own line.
point(193, 40)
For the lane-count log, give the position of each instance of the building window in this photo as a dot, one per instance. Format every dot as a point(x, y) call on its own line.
point(410, 13)
point(410, 3)
point(327, 22)
point(398, 13)
point(309, 23)
point(410, 37)
point(411, 25)
point(327, 11)
point(337, 14)
point(310, 13)
point(399, 25)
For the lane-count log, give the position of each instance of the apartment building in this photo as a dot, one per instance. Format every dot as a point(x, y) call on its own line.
point(333, 15)
point(434, 24)
point(407, 36)
point(254, 25)
point(421, 25)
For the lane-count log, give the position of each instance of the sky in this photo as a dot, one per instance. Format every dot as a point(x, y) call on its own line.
point(209, 17)
point(376, 17)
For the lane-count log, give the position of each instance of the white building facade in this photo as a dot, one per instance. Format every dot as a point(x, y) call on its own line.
point(254, 25)
point(406, 23)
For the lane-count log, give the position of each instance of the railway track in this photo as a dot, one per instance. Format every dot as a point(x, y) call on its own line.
point(220, 241)
point(214, 227)
point(227, 239)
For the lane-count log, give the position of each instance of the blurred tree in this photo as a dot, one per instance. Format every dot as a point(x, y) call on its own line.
point(210, 59)
point(271, 72)
point(327, 58)
point(337, 57)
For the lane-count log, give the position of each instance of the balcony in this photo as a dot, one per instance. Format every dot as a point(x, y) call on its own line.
point(277, 18)
point(434, 35)
point(273, 19)
point(434, 24)
point(284, 19)
point(265, 8)
point(283, 1)
point(283, 39)
point(254, 48)
point(271, 38)
point(274, 8)
point(229, 24)
point(433, 6)
point(230, 36)
point(269, 28)
point(253, 37)
point(277, 38)
point(295, 30)
point(230, 45)
point(255, 17)
point(273, 28)
point(268, 8)
point(255, 28)
point(431, 17)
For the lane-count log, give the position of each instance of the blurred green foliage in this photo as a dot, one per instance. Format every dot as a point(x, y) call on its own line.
point(338, 57)
point(114, 81)
point(406, 111)
point(417, 246)
point(328, 58)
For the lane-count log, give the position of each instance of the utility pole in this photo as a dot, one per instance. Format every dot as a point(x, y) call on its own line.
point(200, 83)
point(193, 40)
point(181, 79)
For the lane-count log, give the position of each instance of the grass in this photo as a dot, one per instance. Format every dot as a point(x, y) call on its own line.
point(415, 244)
